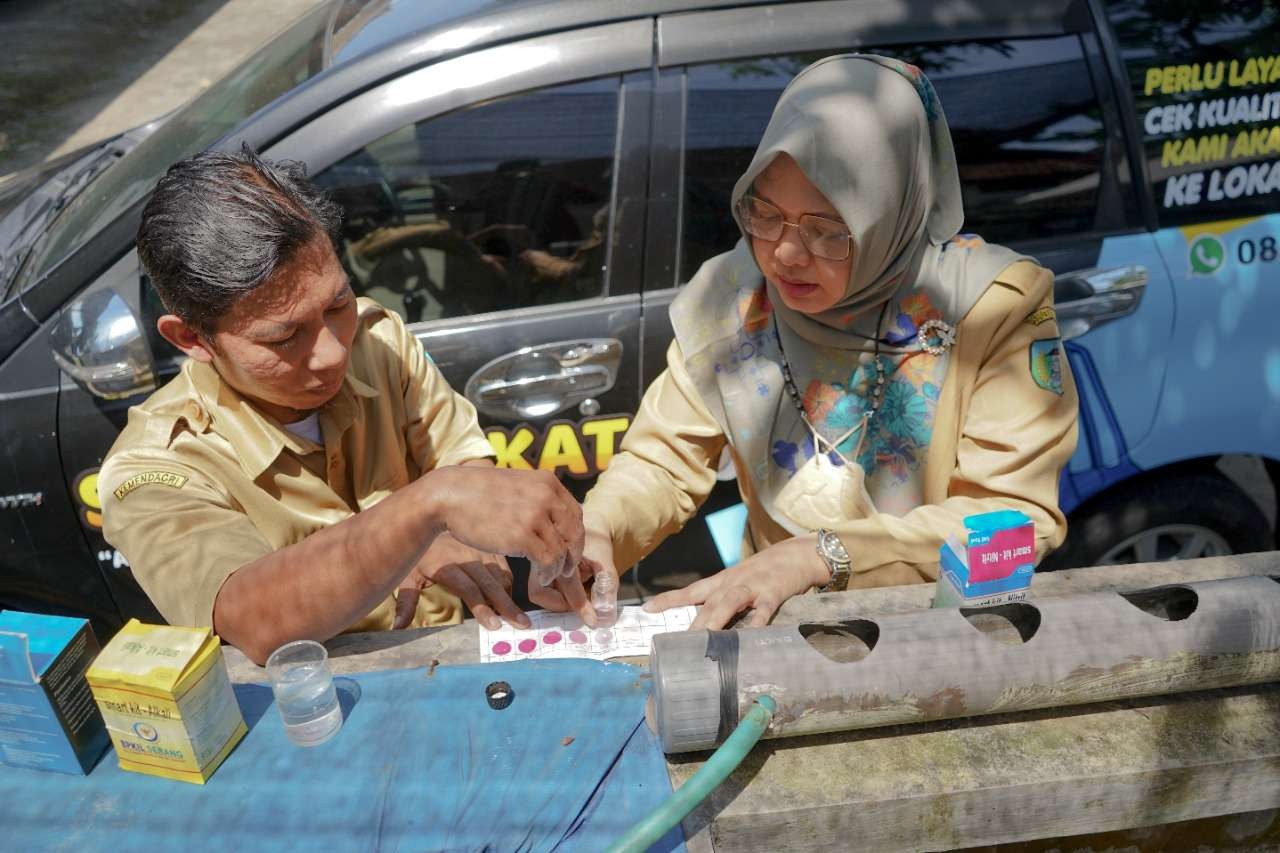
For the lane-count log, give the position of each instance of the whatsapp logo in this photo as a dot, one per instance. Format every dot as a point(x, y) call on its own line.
point(1207, 255)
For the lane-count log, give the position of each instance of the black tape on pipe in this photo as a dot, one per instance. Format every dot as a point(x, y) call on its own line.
point(722, 647)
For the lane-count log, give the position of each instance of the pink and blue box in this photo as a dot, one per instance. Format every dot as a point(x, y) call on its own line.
point(48, 718)
point(993, 565)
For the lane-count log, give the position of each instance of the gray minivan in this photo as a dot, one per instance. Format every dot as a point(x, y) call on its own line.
point(529, 183)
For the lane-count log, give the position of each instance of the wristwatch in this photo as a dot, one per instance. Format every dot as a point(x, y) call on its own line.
point(832, 552)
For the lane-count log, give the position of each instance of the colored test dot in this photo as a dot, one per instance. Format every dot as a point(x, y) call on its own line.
point(577, 637)
point(551, 638)
point(502, 647)
point(527, 646)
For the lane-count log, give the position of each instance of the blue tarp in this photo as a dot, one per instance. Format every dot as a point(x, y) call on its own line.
point(421, 763)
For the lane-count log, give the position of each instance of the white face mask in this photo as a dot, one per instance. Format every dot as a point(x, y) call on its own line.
point(822, 493)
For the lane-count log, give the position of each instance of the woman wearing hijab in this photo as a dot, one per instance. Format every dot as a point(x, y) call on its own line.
point(875, 377)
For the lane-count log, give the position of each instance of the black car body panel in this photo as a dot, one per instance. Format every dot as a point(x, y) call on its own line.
point(584, 150)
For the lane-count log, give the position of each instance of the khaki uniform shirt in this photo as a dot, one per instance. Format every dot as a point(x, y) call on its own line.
point(201, 483)
point(999, 441)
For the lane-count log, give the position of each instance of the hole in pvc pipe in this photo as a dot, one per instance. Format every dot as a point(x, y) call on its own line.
point(1170, 603)
point(1011, 624)
point(842, 642)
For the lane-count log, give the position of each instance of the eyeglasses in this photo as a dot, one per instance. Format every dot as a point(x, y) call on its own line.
point(824, 238)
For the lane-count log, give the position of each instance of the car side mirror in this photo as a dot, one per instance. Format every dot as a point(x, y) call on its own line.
point(97, 341)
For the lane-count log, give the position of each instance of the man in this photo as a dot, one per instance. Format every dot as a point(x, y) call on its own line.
point(308, 460)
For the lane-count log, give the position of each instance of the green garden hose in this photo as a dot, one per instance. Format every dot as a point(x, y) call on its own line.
point(721, 763)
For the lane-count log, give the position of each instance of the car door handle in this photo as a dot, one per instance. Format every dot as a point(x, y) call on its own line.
point(1088, 298)
point(593, 379)
point(536, 382)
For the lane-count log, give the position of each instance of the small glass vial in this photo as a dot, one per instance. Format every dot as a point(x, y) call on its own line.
point(604, 599)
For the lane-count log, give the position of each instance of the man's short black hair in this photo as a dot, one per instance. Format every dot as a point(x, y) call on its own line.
point(219, 224)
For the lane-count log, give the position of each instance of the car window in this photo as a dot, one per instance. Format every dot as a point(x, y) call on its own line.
point(499, 206)
point(1207, 90)
point(1030, 165)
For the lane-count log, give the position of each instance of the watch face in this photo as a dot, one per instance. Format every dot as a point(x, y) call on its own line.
point(833, 549)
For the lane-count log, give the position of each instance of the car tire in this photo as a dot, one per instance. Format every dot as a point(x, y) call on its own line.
point(1177, 517)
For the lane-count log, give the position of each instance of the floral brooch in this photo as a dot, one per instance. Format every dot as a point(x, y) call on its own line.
point(936, 336)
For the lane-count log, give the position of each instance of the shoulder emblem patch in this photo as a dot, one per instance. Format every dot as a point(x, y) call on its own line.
point(147, 478)
point(1046, 364)
point(1042, 315)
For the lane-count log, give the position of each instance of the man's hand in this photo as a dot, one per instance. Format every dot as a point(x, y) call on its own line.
point(482, 581)
point(504, 511)
point(759, 584)
point(569, 593)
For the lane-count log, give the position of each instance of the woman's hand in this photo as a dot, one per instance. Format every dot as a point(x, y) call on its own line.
point(759, 584)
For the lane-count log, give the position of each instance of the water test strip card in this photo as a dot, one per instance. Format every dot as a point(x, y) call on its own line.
point(562, 635)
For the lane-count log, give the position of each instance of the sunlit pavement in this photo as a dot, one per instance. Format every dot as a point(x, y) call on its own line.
point(76, 71)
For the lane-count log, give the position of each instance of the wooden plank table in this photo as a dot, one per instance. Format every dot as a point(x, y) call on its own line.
point(995, 780)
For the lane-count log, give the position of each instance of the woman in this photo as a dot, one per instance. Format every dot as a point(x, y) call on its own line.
point(875, 377)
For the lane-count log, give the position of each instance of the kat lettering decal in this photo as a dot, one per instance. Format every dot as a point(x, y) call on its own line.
point(581, 449)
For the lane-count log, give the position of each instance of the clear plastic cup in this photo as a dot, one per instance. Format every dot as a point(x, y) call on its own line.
point(303, 687)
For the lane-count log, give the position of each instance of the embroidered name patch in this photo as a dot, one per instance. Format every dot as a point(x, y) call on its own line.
point(1043, 315)
point(1046, 364)
point(147, 478)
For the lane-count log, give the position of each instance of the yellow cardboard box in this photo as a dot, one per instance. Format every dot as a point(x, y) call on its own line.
point(167, 701)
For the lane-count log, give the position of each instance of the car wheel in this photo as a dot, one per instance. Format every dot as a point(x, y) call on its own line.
point(1178, 517)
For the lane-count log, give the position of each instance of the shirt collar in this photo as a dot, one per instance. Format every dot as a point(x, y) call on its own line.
point(341, 411)
point(256, 438)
